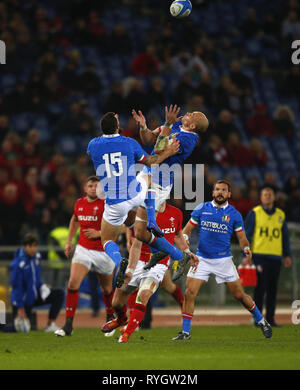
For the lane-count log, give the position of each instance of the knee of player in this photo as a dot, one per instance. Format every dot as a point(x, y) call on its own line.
point(144, 296)
point(140, 234)
point(107, 290)
point(73, 284)
point(190, 293)
point(238, 295)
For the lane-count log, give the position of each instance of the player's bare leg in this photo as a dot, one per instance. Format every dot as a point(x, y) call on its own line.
point(134, 256)
point(119, 304)
point(192, 288)
point(106, 283)
point(77, 274)
point(239, 294)
point(109, 235)
point(146, 290)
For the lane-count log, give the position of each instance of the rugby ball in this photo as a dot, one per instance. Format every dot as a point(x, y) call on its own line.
point(22, 325)
point(181, 8)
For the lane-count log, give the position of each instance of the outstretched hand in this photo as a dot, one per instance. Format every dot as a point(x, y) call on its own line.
point(139, 118)
point(171, 113)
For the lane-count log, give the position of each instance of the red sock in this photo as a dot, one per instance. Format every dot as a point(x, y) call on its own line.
point(131, 301)
point(71, 302)
point(178, 296)
point(108, 303)
point(136, 317)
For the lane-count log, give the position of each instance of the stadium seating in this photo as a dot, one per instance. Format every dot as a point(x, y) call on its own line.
point(218, 17)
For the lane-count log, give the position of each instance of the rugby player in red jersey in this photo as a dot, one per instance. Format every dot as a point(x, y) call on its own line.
point(89, 254)
point(169, 219)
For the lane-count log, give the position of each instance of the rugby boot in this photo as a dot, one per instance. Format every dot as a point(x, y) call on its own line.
point(181, 267)
point(66, 330)
point(123, 338)
point(154, 228)
point(266, 329)
point(114, 324)
point(182, 336)
point(110, 317)
point(120, 277)
point(154, 259)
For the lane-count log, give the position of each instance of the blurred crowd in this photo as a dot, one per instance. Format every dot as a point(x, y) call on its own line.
point(39, 185)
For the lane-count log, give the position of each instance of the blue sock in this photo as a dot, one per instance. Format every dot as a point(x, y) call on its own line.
point(186, 322)
point(256, 313)
point(153, 250)
point(150, 204)
point(113, 251)
point(161, 244)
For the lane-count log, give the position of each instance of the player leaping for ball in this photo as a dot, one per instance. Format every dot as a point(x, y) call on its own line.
point(187, 131)
point(114, 159)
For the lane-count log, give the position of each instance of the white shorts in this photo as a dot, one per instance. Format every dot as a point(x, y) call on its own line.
point(161, 193)
point(223, 269)
point(156, 273)
point(116, 214)
point(96, 261)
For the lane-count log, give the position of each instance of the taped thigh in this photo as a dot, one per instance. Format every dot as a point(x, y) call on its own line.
point(147, 284)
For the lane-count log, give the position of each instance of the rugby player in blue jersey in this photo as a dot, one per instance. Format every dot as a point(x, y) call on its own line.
point(217, 221)
point(186, 130)
point(114, 158)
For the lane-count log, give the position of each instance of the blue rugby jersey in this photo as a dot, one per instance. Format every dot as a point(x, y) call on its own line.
point(216, 227)
point(114, 159)
point(163, 174)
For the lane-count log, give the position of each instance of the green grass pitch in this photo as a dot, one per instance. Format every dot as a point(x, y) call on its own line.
point(216, 348)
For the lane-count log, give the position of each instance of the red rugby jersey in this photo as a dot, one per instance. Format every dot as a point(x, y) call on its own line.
point(89, 216)
point(170, 222)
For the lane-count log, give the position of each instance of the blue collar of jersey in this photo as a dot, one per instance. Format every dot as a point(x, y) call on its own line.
point(110, 135)
point(186, 131)
point(222, 207)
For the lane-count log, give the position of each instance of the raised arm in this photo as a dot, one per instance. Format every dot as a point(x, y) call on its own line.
point(148, 136)
point(187, 231)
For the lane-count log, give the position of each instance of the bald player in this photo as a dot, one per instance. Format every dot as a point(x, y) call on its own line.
point(186, 130)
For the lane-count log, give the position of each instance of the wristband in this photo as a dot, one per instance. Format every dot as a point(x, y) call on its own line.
point(129, 270)
point(186, 237)
point(144, 128)
point(246, 248)
point(169, 125)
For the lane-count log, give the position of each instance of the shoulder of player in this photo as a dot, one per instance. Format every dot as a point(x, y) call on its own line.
point(201, 206)
point(80, 200)
point(95, 140)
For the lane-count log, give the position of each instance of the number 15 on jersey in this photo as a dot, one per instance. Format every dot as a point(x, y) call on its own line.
point(110, 159)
